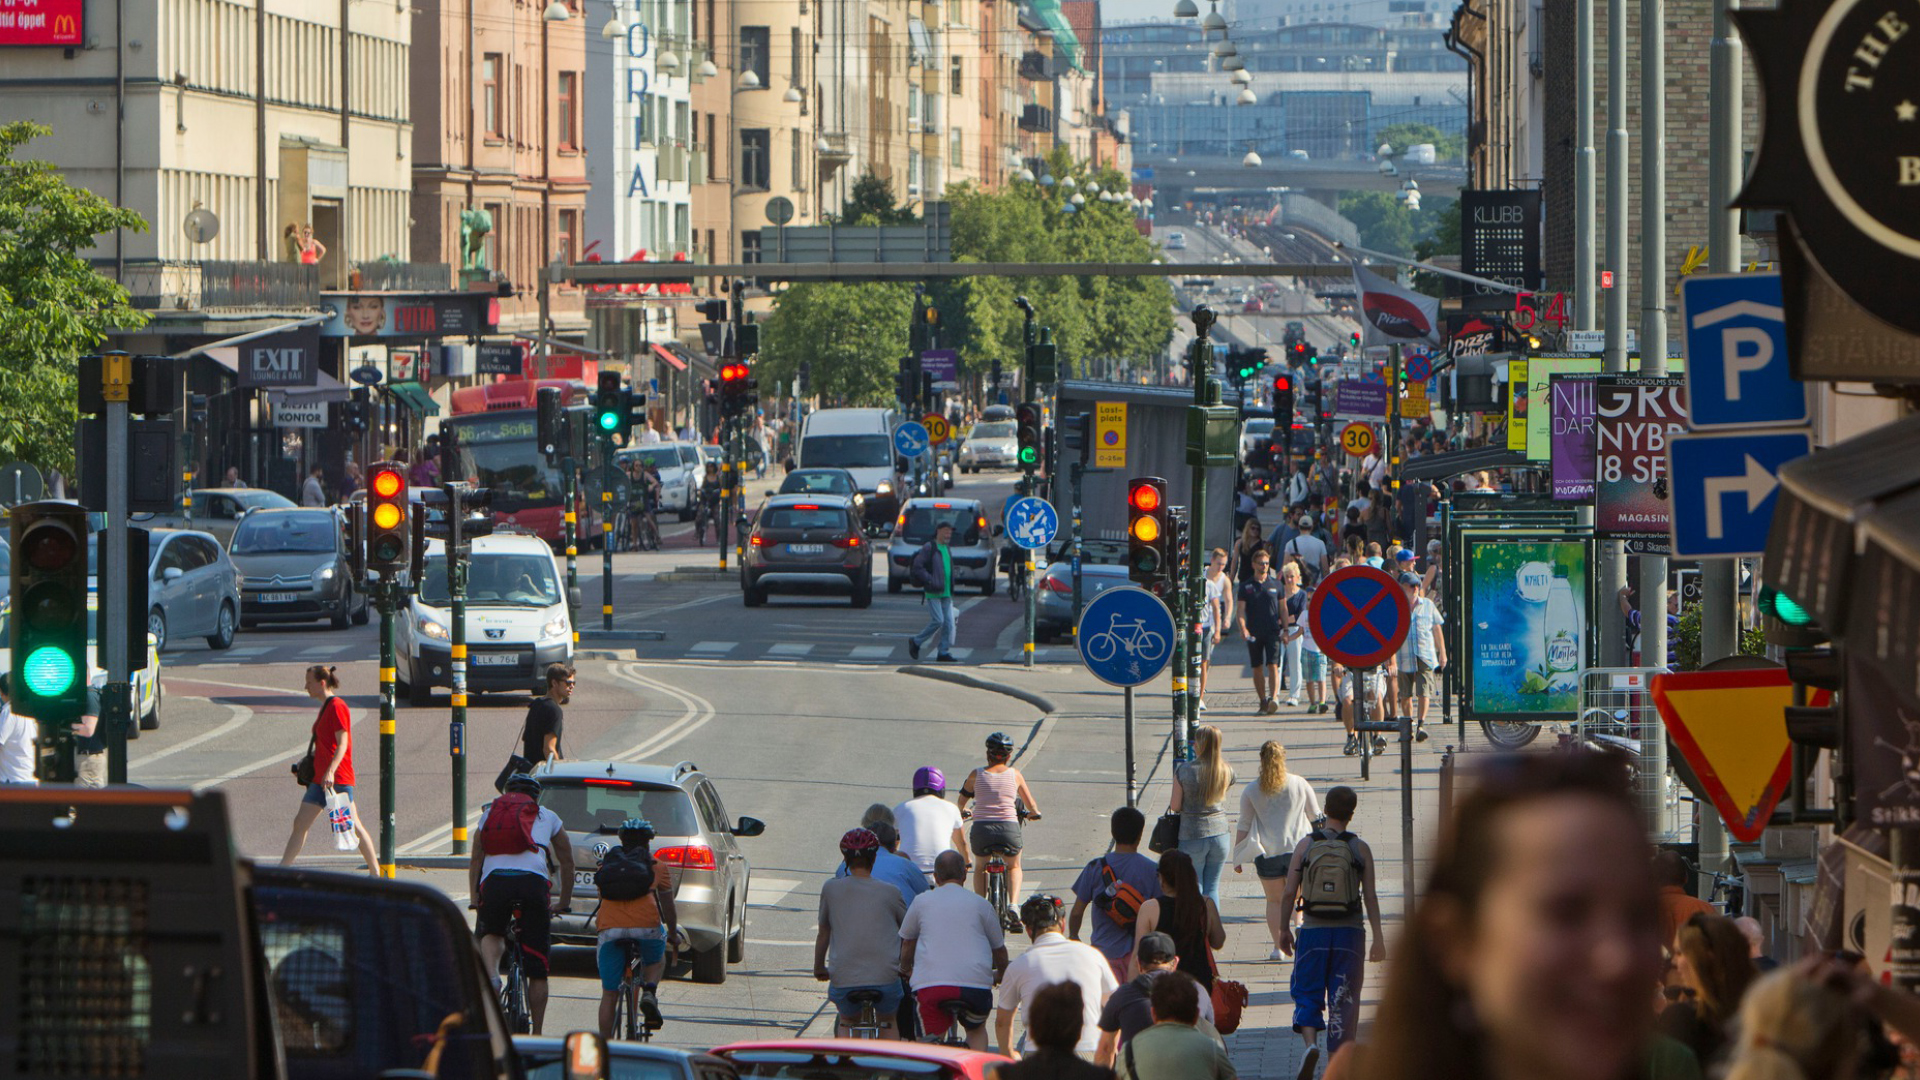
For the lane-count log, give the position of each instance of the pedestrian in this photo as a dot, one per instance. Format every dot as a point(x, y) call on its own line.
point(1056, 1023)
point(1128, 1012)
point(89, 743)
point(1263, 618)
point(1051, 958)
point(1214, 614)
point(1313, 665)
point(232, 478)
point(352, 482)
point(1245, 549)
point(1671, 873)
point(18, 755)
point(998, 790)
point(1115, 885)
point(1534, 942)
point(1294, 632)
point(1379, 519)
point(1710, 956)
point(952, 949)
point(932, 571)
point(1246, 510)
point(313, 492)
point(1199, 796)
point(1277, 811)
point(1185, 914)
point(1432, 578)
point(1331, 875)
point(1376, 557)
point(1422, 654)
point(521, 857)
point(1310, 549)
point(332, 749)
point(1756, 945)
point(425, 472)
point(1794, 1028)
point(1175, 1048)
point(546, 718)
point(928, 823)
point(889, 865)
point(636, 904)
point(858, 946)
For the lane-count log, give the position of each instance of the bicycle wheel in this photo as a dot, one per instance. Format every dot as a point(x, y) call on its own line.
point(513, 1000)
point(1509, 734)
point(1149, 644)
point(1101, 646)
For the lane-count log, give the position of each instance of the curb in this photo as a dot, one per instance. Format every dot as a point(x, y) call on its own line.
point(696, 575)
point(403, 862)
point(962, 678)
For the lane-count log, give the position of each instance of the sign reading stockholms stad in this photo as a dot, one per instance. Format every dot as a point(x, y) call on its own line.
point(1840, 154)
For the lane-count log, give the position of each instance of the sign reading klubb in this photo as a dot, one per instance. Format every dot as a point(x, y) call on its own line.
point(43, 22)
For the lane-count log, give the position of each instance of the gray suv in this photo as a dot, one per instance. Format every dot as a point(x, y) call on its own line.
point(293, 568)
point(693, 837)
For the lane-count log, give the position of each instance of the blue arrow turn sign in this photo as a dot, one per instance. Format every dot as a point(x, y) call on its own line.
point(1724, 486)
point(911, 439)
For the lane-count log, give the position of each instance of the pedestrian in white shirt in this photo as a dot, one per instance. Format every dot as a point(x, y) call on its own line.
point(16, 739)
point(1052, 958)
point(928, 823)
point(1215, 614)
point(1276, 811)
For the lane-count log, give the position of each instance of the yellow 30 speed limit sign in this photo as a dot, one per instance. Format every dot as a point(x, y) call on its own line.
point(1357, 439)
point(938, 429)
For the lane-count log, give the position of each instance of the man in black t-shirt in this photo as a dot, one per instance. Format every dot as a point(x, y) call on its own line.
point(90, 744)
point(1263, 615)
point(545, 717)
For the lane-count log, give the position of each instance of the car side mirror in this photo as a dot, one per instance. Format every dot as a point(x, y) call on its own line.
point(750, 827)
point(172, 573)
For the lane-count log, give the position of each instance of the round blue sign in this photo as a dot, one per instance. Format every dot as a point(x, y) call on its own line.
point(1032, 523)
point(911, 439)
point(1419, 367)
point(1359, 615)
point(1125, 636)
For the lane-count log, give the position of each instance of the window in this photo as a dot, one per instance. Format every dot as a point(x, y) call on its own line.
point(490, 95)
point(799, 51)
point(797, 179)
point(569, 230)
point(756, 146)
point(913, 108)
point(957, 76)
point(755, 47)
point(913, 172)
point(750, 246)
point(957, 150)
point(569, 111)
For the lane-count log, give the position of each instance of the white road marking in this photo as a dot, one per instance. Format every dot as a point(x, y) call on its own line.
point(766, 892)
point(328, 650)
point(250, 650)
point(241, 714)
point(872, 652)
point(245, 686)
point(717, 648)
point(788, 648)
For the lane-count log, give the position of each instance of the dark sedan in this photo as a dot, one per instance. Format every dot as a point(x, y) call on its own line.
point(823, 480)
point(806, 542)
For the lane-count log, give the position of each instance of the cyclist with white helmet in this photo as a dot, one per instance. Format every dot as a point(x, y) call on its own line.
point(636, 904)
point(999, 790)
point(858, 947)
point(928, 823)
point(507, 878)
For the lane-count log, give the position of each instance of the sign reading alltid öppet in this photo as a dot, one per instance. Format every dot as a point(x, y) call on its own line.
point(287, 359)
point(1634, 420)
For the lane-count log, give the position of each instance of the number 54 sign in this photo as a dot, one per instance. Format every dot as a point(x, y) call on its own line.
point(1528, 312)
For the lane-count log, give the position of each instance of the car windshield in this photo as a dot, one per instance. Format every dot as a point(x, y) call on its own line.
point(1259, 427)
point(586, 807)
point(660, 457)
point(823, 483)
point(272, 534)
point(922, 520)
point(514, 469)
point(996, 429)
point(848, 451)
point(797, 517)
point(496, 578)
point(263, 500)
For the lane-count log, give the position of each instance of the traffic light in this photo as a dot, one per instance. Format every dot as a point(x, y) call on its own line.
point(450, 472)
point(49, 636)
point(1816, 669)
point(1353, 340)
point(549, 426)
point(139, 572)
point(1076, 436)
point(610, 408)
point(747, 339)
point(1283, 400)
point(1786, 623)
point(736, 387)
point(1146, 529)
point(715, 309)
point(1043, 359)
point(1242, 363)
point(356, 414)
point(1026, 421)
point(1297, 355)
point(388, 534)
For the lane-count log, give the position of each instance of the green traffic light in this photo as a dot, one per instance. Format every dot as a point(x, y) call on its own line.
point(49, 671)
point(1789, 612)
point(609, 421)
point(1029, 455)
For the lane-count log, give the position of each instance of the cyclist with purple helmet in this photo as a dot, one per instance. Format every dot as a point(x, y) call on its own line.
point(858, 947)
point(928, 823)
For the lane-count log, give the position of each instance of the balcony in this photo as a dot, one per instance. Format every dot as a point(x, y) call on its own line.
point(392, 275)
point(673, 163)
point(697, 164)
point(208, 285)
point(1036, 66)
point(1036, 118)
point(835, 149)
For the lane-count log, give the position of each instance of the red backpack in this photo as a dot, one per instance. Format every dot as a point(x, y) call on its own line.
point(508, 827)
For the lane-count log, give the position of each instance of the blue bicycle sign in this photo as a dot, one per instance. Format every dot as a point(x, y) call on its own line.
point(1032, 523)
point(1126, 636)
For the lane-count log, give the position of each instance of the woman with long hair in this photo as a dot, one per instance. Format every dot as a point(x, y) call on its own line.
point(1199, 797)
point(1794, 1028)
point(332, 750)
point(1243, 549)
point(1184, 914)
point(1535, 945)
point(1276, 811)
point(1710, 956)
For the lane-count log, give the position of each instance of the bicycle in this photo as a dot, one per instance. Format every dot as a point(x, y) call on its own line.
point(513, 978)
point(627, 1021)
point(1132, 636)
point(867, 1024)
point(646, 531)
point(702, 521)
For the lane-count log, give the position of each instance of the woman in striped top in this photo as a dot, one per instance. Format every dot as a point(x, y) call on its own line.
point(999, 792)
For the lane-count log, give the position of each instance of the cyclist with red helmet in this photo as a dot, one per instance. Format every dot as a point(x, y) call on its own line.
point(1000, 792)
point(858, 947)
point(928, 823)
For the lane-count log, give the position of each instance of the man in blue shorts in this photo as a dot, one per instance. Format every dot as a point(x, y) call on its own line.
point(636, 904)
point(858, 947)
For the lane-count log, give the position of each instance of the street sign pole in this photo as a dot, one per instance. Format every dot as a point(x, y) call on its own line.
point(1206, 391)
point(117, 370)
point(606, 532)
point(1077, 471)
point(386, 595)
point(569, 491)
point(1126, 693)
point(726, 490)
point(1027, 481)
point(457, 659)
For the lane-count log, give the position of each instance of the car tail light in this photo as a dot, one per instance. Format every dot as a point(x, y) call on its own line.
point(757, 540)
point(943, 506)
point(848, 541)
point(980, 523)
point(805, 506)
point(1054, 584)
point(690, 857)
point(598, 781)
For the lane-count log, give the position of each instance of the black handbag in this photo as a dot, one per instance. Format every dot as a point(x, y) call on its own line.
point(1166, 834)
point(515, 763)
point(303, 769)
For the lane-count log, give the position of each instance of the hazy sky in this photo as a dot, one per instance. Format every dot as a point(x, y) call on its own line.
point(1113, 11)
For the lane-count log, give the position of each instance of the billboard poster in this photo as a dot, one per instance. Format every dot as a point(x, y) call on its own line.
point(1526, 625)
point(365, 315)
point(1499, 240)
point(1540, 373)
point(1634, 419)
point(1356, 398)
point(1571, 400)
point(43, 22)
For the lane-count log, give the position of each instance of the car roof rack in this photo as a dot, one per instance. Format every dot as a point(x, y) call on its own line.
point(684, 768)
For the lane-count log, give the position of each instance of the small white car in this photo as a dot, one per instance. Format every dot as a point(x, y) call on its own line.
point(992, 444)
point(1176, 241)
point(517, 621)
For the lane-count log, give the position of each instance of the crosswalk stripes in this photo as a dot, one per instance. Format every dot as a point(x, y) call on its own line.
point(872, 652)
point(790, 649)
point(713, 648)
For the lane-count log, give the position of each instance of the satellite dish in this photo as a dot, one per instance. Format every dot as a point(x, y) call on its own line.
point(201, 225)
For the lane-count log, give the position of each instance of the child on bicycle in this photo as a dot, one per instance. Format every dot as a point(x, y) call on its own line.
point(636, 905)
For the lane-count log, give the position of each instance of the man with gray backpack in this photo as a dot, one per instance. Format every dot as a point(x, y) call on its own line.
point(1331, 877)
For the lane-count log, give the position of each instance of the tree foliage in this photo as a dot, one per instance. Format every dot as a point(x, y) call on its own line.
point(53, 307)
point(871, 203)
point(1387, 225)
point(1401, 136)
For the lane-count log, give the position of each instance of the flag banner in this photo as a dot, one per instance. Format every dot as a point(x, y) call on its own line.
point(1393, 315)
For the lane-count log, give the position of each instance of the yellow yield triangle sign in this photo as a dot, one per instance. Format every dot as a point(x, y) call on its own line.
point(1731, 726)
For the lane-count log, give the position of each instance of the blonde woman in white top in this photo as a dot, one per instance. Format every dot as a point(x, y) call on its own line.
point(1276, 811)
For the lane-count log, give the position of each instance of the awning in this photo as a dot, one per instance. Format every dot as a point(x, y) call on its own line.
point(326, 389)
point(227, 356)
point(415, 397)
point(1455, 462)
point(1811, 549)
point(1881, 632)
point(666, 355)
point(920, 46)
point(1065, 41)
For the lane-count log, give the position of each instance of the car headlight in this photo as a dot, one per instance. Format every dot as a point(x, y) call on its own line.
point(882, 488)
point(432, 629)
point(555, 627)
point(325, 573)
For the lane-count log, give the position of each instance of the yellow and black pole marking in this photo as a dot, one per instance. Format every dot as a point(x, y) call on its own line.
point(571, 521)
point(385, 595)
point(606, 532)
point(457, 567)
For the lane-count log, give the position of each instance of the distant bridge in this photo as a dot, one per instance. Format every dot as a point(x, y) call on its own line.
point(1181, 177)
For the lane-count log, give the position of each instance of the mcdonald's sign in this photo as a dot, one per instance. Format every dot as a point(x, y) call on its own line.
point(59, 23)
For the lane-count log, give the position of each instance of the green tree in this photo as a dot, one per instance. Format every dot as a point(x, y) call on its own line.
point(53, 307)
point(1401, 136)
point(871, 203)
point(1385, 224)
point(852, 336)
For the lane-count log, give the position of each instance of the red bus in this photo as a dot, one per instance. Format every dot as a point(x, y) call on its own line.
point(499, 450)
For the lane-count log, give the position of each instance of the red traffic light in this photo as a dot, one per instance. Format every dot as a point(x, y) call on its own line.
point(733, 373)
point(1282, 384)
point(1145, 498)
point(386, 483)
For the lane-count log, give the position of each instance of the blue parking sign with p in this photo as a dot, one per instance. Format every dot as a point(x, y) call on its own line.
point(1737, 369)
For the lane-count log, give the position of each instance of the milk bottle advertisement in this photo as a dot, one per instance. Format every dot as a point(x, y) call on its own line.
point(1526, 627)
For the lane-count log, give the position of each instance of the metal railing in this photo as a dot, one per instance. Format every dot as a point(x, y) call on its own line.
point(391, 275)
point(202, 284)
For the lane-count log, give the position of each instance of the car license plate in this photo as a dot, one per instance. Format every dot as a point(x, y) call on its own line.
point(495, 659)
point(805, 549)
point(277, 598)
point(582, 877)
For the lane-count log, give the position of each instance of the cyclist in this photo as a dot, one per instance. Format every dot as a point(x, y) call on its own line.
point(508, 877)
point(709, 512)
point(952, 949)
point(928, 823)
point(1051, 958)
point(647, 919)
point(858, 947)
point(999, 789)
point(647, 523)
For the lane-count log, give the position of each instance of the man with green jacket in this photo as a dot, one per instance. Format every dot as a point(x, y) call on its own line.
point(932, 570)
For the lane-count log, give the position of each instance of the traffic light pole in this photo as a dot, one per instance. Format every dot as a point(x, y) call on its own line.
point(569, 475)
point(1206, 391)
point(1027, 479)
point(1076, 472)
point(386, 596)
point(111, 725)
point(1177, 669)
point(457, 633)
point(726, 490)
point(606, 532)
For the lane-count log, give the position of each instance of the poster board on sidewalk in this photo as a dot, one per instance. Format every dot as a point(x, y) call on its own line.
point(1526, 628)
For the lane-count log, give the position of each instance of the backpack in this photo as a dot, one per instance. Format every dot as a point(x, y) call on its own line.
point(624, 875)
point(508, 828)
point(1330, 881)
point(1118, 899)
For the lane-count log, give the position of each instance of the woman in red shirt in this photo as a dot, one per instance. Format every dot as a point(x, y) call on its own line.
point(332, 766)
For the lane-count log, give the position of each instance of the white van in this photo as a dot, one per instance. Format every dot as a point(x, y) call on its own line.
point(517, 621)
point(861, 442)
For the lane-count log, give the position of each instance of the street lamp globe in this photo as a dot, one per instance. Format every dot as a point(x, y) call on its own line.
point(707, 70)
point(556, 12)
point(1247, 97)
point(1186, 9)
point(1251, 161)
point(747, 81)
point(792, 96)
point(1069, 183)
point(1233, 63)
point(669, 62)
point(1078, 199)
point(1093, 188)
point(1025, 175)
point(1214, 21)
point(1241, 78)
point(614, 30)
point(1224, 47)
